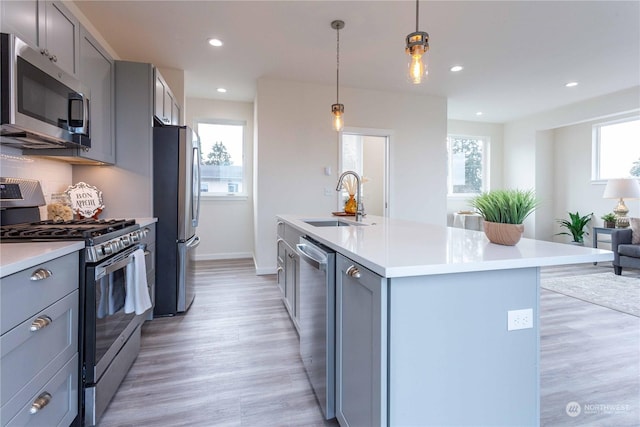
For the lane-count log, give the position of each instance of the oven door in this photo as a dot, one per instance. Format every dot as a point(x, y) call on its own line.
point(107, 326)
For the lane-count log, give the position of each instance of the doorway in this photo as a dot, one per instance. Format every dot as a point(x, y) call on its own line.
point(366, 151)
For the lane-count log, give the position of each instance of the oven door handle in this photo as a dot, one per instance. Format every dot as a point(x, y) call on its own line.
point(115, 267)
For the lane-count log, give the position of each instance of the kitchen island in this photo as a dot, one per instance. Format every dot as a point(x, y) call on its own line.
point(435, 325)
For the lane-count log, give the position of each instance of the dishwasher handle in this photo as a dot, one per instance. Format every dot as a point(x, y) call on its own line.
point(312, 256)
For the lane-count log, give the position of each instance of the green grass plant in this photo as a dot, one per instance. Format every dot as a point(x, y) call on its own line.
point(505, 206)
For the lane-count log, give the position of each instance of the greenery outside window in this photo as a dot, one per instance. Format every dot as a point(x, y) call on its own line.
point(468, 165)
point(616, 149)
point(222, 144)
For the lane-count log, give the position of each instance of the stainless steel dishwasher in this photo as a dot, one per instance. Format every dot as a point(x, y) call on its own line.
point(317, 320)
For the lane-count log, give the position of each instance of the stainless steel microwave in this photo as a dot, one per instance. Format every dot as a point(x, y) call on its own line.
point(41, 106)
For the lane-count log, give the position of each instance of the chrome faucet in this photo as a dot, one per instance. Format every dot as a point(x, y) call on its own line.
point(359, 212)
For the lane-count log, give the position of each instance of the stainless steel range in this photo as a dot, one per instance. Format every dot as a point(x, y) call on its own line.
point(109, 337)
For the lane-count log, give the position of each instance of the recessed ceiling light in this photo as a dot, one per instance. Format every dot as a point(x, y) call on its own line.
point(221, 90)
point(572, 84)
point(215, 42)
point(456, 68)
point(479, 113)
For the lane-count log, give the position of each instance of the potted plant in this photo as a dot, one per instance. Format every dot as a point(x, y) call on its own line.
point(609, 220)
point(504, 212)
point(576, 226)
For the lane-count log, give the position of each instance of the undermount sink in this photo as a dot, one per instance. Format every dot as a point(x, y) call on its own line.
point(331, 223)
point(328, 223)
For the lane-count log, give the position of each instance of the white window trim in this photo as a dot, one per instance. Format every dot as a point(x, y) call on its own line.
point(595, 146)
point(245, 174)
point(486, 164)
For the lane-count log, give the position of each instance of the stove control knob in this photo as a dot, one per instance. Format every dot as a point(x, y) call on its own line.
point(135, 237)
point(145, 232)
point(106, 249)
point(126, 240)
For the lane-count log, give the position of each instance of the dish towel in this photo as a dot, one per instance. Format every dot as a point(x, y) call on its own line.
point(137, 298)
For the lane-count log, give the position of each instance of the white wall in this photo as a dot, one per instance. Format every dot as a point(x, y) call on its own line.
point(226, 226)
point(295, 142)
point(495, 133)
point(528, 157)
point(574, 189)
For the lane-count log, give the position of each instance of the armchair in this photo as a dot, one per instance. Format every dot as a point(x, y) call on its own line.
point(626, 254)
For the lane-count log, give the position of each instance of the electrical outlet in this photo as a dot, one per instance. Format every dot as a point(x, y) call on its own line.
point(519, 319)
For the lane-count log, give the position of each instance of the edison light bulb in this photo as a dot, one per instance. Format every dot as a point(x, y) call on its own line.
point(417, 67)
point(337, 111)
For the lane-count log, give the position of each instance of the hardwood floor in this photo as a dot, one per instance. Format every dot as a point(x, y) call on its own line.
point(233, 360)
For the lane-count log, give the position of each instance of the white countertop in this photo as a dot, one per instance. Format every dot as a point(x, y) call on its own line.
point(397, 248)
point(15, 257)
point(145, 221)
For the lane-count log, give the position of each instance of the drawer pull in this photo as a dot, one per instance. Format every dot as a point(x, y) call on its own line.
point(40, 323)
point(353, 272)
point(42, 401)
point(41, 274)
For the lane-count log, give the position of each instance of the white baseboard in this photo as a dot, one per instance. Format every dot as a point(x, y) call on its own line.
point(265, 270)
point(237, 255)
point(229, 255)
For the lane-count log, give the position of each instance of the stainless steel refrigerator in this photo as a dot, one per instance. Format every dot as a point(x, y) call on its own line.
point(176, 204)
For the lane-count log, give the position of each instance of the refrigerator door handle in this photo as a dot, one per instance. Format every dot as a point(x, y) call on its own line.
point(195, 201)
point(193, 243)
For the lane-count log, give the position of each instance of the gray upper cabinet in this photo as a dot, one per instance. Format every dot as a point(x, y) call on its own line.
point(61, 34)
point(166, 109)
point(46, 25)
point(97, 72)
point(21, 18)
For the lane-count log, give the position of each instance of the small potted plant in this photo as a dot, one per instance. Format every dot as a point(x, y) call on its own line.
point(504, 212)
point(609, 220)
point(575, 226)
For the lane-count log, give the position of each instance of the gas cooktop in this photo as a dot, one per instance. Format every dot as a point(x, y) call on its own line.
point(82, 229)
point(102, 238)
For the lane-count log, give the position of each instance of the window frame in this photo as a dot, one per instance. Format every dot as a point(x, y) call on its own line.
point(486, 141)
point(596, 147)
point(244, 195)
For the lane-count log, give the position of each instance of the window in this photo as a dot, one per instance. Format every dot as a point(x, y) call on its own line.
point(222, 144)
point(468, 164)
point(616, 149)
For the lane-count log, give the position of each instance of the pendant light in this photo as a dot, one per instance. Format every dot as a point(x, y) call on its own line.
point(417, 46)
point(337, 109)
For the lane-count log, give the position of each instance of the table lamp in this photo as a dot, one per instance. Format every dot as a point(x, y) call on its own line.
point(620, 188)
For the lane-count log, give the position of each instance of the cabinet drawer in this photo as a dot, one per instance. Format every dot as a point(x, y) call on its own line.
point(63, 403)
point(26, 352)
point(21, 297)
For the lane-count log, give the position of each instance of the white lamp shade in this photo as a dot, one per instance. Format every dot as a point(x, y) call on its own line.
point(627, 188)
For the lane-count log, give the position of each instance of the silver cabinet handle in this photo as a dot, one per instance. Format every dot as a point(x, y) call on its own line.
point(45, 52)
point(353, 272)
point(280, 269)
point(39, 323)
point(41, 274)
point(42, 401)
point(53, 58)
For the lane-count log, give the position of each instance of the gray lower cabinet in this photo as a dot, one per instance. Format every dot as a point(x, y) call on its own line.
point(289, 269)
point(361, 345)
point(39, 344)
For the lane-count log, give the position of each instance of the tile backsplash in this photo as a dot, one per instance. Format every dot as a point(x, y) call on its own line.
point(54, 176)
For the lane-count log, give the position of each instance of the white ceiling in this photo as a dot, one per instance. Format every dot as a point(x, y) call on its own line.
point(517, 55)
